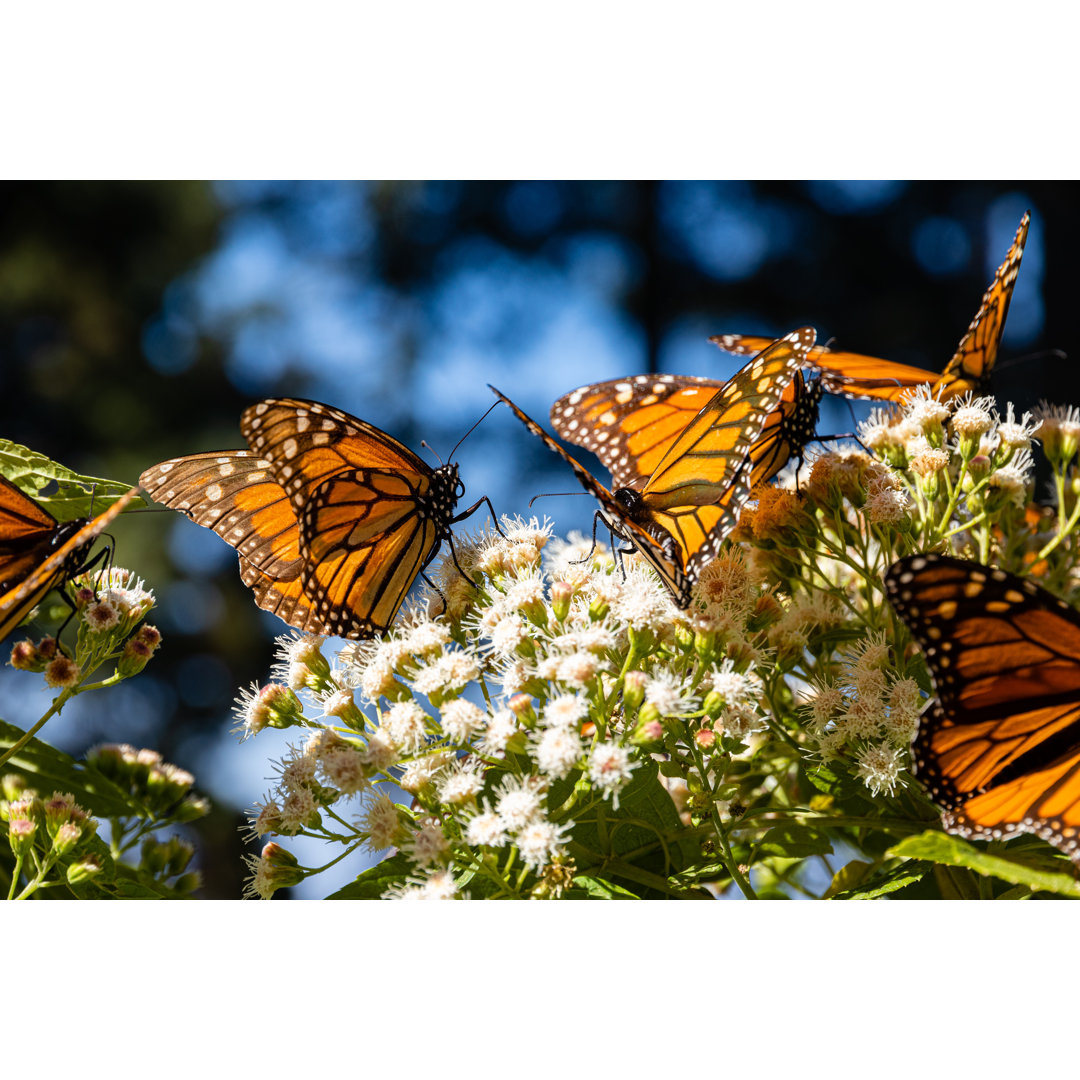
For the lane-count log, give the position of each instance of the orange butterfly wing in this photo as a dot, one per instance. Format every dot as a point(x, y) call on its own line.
point(854, 375)
point(630, 424)
point(970, 366)
point(307, 443)
point(999, 748)
point(366, 543)
point(36, 557)
point(234, 493)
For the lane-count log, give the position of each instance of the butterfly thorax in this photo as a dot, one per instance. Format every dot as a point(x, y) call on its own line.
point(437, 504)
point(800, 426)
point(638, 512)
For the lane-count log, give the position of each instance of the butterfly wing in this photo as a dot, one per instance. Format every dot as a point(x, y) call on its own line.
point(849, 374)
point(234, 493)
point(49, 560)
point(854, 375)
point(970, 366)
point(999, 748)
point(307, 443)
point(26, 533)
point(366, 540)
point(702, 481)
point(630, 424)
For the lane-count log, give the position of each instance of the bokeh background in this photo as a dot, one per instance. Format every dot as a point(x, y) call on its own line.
point(137, 320)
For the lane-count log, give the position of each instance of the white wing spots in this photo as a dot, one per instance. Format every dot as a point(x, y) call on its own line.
point(166, 467)
point(261, 408)
point(290, 448)
point(329, 425)
point(572, 426)
point(256, 477)
point(287, 471)
point(302, 422)
point(226, 469)
point(215, 492)
point(320, 438)
point(573, 399)
point(607, 419)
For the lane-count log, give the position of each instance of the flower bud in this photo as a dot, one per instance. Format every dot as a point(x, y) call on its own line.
point(85, 869)
point(21, 835)
point(633, 690)
point(153, 855)
point(25, 656)
point(191, 809)
point(46, 648)
point(61, 808)
point(62, 673)
point(67, 839)
point(13, 786)
point(521, 705)
point(561, 594)
point(705, 739)
point(648, 734)
point(137, 652)
point(684, 636)
point(598, 609)
point(189, 882)
point(282, 870)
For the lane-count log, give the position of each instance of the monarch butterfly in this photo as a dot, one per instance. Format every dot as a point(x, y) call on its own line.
point(332, 519)
point(856, 376)
point(691, 499)
point(37, 552)
point(999, 748)
point(630, 424)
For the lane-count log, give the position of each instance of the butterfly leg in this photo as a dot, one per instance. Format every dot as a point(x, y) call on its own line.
point(431, 584)
point(472, 510)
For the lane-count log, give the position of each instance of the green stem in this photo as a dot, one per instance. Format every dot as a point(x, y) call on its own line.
point(59, 702)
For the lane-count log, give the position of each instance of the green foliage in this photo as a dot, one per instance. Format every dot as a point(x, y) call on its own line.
point(1027, 871)
point(64, 493)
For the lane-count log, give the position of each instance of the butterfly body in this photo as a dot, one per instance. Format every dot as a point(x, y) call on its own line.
point(679, 513)
point(38, 553)
point(332, 518)
point(999, 746)
point(854, 375)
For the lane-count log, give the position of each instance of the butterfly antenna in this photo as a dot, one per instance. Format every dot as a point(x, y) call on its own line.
point(1042, 354)
point(470, 431)
point(552, 494)
point(427, 446)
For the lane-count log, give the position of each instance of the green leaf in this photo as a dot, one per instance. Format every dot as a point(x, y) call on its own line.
point(64, 493)
point(949, 850)
point(900, 877)
point(644, 832)
point(47, 770)
point(847, 878)
point(375, 880)
point(793, 842)
point(596, 888)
